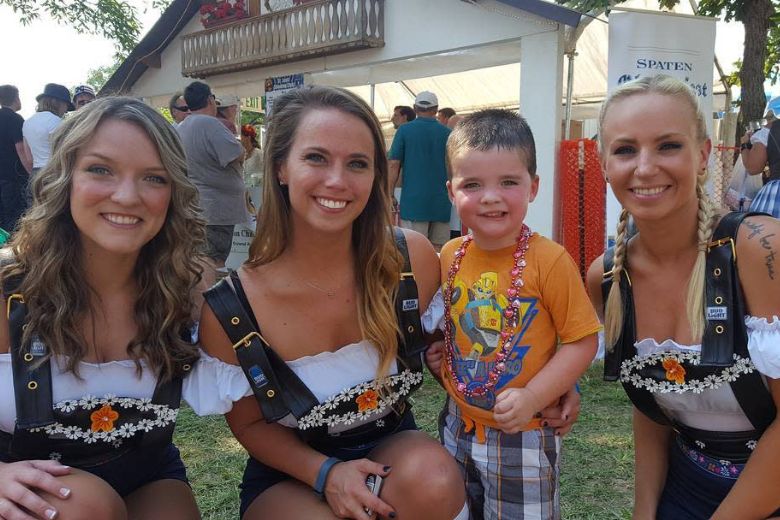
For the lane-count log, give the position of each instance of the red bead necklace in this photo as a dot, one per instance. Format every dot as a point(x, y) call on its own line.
point(511, 314)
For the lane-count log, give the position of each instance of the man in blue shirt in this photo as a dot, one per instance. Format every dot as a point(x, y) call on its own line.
point(418, 149)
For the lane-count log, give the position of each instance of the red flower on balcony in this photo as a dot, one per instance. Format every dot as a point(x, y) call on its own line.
point(215, 12)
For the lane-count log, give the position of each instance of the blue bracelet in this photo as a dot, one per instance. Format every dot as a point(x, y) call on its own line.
point(577, 388)
point(322, 475)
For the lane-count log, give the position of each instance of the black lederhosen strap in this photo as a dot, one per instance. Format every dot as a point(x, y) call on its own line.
point(407, 305)
point(31, 368)
point(278, 390)
point(725, 333)
point(34, 402)
point(723, 338)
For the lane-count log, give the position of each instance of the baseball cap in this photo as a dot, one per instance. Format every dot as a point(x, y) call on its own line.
point(228, 100)
point(426, 99)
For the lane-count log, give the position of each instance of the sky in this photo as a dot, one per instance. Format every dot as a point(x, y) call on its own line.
point(45, 52)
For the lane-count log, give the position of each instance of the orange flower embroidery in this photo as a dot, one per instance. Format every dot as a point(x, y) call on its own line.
point(103, 419)
point(674, 371)
point(368, 400)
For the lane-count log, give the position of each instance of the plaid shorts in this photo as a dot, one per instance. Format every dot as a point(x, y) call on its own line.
point(510, 476)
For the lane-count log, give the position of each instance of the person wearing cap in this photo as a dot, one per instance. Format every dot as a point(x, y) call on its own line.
point(214, 162)
point(37, 130)
point(417, 153)
point(227, 109)
point(759, 149)
point(178, 108)
point(15, 163)
point(82, 95)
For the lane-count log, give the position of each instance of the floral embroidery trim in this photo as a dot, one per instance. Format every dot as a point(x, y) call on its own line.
point(674, 370)
point(401, 385)
point(368, 400)
point(720, 467)
point(163, 416)
point(103, 419)
point(727, 375)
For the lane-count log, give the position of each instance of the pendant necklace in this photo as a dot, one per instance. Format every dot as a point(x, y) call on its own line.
point(510, 316)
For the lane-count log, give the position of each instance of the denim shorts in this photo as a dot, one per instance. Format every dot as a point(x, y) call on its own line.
point(258, 477)
point(137, 468)
point(696, 484)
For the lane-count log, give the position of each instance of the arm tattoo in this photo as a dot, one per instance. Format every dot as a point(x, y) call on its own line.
point(763, 239)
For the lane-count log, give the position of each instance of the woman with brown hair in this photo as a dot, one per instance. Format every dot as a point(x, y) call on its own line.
point(324, 353)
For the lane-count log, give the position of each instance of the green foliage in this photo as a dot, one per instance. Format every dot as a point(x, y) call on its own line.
point(99, 76)
point(117, 20)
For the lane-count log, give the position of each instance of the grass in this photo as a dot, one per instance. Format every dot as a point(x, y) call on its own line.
point(596, 472)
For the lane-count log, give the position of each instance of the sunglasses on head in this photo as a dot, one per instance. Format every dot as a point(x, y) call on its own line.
point(184, 108)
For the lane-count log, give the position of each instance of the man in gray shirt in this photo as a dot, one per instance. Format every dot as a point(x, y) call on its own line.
point(214, 163)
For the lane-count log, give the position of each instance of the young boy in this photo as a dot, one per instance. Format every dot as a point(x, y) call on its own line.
point(511, 297)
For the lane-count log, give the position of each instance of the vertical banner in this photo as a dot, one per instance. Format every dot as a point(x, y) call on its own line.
point(646, 43)
point(278, 85)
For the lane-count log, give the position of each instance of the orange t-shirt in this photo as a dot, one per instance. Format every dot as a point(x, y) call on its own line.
point(554, 308)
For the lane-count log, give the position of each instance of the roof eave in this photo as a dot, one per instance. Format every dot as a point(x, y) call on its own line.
point(547, 10)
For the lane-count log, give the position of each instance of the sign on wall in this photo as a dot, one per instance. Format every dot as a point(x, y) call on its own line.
point(646, 43)
point(277, 86)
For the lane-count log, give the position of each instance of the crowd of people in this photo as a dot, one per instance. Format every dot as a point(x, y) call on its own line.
point(314, 346)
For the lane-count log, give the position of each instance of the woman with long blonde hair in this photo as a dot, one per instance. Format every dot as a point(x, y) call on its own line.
point(330, 375)
point(96, 343)
point(690, 306)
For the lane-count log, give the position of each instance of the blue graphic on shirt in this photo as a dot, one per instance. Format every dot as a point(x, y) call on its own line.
point(479, 312)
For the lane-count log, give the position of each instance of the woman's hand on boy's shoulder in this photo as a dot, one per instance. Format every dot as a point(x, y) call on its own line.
point(758, 260)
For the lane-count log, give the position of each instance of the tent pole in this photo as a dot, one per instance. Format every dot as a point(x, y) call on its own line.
point(569, 87)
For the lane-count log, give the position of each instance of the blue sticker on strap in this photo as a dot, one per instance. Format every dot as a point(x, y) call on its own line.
point(257, 375)
point(37, 348)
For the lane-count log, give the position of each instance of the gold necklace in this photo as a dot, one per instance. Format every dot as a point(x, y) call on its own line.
point(330, 293)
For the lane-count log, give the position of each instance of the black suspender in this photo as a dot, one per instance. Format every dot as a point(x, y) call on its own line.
point(407, 305)
point(278, 390)
point(32, 377)
point(725, 333)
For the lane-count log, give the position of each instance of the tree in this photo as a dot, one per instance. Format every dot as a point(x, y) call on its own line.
point(117, 20)
point(760, 19)
point(98, 77)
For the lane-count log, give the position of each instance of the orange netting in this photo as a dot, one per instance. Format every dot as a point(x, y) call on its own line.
point(721, 170)
point(582, 202)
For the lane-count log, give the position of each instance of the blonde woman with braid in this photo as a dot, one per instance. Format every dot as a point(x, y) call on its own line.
point(690, 306)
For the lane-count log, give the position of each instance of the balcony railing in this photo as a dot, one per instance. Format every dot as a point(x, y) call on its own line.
point(314, 29)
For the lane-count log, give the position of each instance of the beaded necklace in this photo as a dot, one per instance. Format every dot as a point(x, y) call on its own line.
point(511, 314)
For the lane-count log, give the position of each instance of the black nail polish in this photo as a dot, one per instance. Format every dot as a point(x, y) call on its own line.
point(392, 514)
point(544, 423)
point(538, 415)
point(566, 417)
point(386, 469)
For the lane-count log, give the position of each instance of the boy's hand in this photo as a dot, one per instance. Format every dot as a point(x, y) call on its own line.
point(434, 356)
point(514, 409)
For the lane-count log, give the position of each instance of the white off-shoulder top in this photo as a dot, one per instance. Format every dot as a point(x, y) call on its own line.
point(709, 404)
